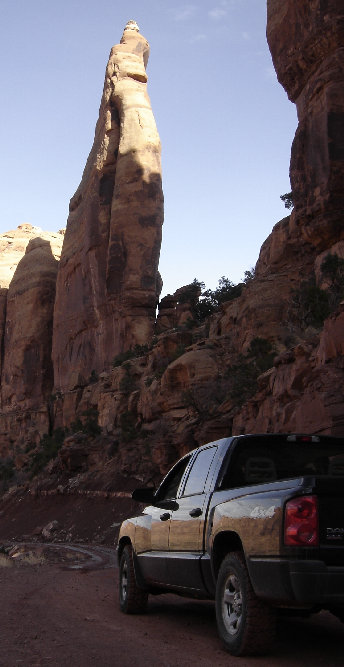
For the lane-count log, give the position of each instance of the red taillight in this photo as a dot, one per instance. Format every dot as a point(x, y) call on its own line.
point(301, 522)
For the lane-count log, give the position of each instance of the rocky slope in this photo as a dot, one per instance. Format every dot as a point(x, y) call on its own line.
point(131, 395)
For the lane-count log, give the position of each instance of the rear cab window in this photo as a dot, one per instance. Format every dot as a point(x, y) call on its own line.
point(198, 474)
point(258, 460)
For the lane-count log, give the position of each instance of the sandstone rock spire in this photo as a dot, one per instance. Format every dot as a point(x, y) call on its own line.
point(108, 281)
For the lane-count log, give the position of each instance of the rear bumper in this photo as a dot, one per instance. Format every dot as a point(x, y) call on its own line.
point(298, 582)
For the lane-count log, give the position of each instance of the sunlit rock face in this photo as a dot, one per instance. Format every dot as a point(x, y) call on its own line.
point(108, 281)
point(306, 40)
point(28, 270)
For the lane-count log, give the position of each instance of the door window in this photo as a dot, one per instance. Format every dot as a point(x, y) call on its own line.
point(170, 485)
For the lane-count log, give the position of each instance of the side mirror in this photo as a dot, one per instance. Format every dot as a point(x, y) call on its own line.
point(145, 495)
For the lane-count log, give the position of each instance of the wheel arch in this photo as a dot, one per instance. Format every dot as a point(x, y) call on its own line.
point(224, 543)
point(126, 541)
point(121, 544)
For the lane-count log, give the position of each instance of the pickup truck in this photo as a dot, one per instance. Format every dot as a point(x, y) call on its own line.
point(254, 522)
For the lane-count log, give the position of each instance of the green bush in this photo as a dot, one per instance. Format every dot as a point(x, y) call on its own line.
point(128, 428)
point(48, 450)
point(243, 381)
point(262, 354)
point(6, 469)
point(93, 377)
point(178, 352)
point(132, 353)
point(244, 374)
point(88, 425)
point(204, 303)
point(310, 304)
point(211, 300)
point(127, 384)
point(287, 199)
point(332, 269)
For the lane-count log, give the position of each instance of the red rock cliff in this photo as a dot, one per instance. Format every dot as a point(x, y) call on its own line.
point(108, 282)
point(306, 39)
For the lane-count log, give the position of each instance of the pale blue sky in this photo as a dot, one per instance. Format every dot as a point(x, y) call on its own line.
point(225, 124)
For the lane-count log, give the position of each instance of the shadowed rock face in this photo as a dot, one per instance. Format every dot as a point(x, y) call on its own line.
point(306, 39)
point(108, 282)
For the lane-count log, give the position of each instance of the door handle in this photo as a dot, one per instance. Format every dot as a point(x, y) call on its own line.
point(196, 512)
point(165, 517)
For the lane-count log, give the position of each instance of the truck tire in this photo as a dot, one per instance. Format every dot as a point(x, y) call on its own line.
point(246, 625)
point(132, 599)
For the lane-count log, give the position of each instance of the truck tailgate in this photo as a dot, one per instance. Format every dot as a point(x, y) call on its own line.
point(330, 492)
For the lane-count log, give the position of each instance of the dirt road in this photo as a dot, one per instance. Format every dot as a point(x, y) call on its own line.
point(59, 608)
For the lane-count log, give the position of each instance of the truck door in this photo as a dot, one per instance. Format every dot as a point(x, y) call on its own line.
point(153, 561)
point(187, 524)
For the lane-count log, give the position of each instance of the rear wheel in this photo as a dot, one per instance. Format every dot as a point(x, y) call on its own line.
point(245, 623)
point(132, 599)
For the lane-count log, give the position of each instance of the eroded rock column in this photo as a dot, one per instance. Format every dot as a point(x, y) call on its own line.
point(27, 371)
point(108, 281)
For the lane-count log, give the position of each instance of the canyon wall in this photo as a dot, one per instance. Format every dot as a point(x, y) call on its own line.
point(306, 40)
point(108, 283)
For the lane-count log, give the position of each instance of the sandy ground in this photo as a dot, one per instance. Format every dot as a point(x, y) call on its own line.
point(59, 608)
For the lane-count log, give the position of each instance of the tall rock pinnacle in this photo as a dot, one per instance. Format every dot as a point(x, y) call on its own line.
point(108, 282)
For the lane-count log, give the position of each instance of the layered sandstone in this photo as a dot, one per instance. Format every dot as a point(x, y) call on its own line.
point(108, 282)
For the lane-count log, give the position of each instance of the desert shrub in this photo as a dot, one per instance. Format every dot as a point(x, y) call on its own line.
point(76, 426)
point(204, 303)
point(332, 269)
point(48, 449)
point(249, 275)
point(262, 354)
point(127, 384)
point(287, 199)
point(132, 353)
point(6, 469)
point(93, 377)
point(90, 424)
point(205, 399)
point(310, 305)
point(243, 381)
point(86, 423)
point(244, 374)
point(160, 368)
point(178, 352)
point(211, 300)
point(128, 426)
